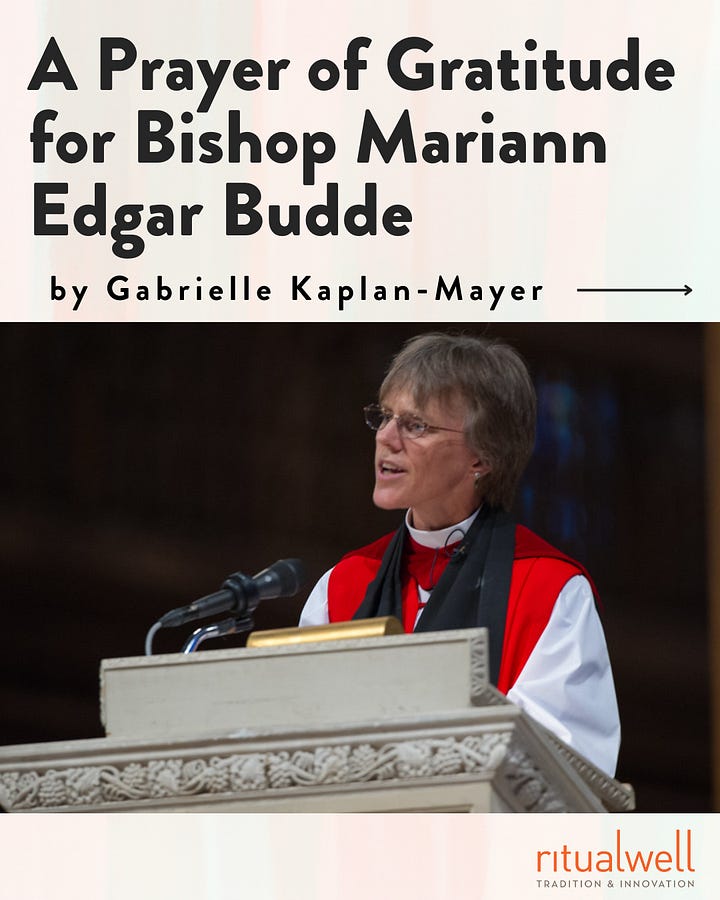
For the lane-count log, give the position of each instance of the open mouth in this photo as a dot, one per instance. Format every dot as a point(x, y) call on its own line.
point(387, 469)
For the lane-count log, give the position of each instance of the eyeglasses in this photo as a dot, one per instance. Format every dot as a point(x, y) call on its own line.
point(409, 426)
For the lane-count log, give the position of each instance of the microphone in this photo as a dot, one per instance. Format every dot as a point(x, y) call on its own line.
point(241, 594)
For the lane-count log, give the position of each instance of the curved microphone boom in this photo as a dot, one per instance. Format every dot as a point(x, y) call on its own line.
point(240, 596)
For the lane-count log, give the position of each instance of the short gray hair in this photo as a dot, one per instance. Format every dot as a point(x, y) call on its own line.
point(494, 385)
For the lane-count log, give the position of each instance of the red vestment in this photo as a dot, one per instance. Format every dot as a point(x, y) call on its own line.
point(539, 574)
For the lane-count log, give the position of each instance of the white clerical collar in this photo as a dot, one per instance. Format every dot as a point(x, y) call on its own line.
point(444, 536)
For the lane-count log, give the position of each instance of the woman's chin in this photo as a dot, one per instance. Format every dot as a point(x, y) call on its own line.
point(387, 499)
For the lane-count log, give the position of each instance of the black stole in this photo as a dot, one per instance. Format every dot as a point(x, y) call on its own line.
point(472, 591)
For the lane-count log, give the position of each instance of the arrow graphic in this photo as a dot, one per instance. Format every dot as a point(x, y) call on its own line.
point(686, 289)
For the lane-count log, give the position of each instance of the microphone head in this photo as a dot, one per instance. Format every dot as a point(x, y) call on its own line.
point(283, 578)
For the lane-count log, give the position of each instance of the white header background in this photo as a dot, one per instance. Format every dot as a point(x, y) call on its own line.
point(644, 219)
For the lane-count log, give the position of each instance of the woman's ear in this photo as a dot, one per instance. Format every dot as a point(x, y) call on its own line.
point(480, 468)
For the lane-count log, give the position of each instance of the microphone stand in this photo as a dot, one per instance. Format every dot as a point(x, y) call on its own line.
point(216, 630)
point(239, 593)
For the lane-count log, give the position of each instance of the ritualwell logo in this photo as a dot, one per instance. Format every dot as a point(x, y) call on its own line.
point(620, 865)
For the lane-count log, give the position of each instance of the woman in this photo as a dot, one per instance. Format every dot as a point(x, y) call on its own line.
point(454, 429)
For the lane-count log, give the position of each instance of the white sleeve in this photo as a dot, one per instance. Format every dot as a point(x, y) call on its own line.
point(315, 611)
point(567, 684)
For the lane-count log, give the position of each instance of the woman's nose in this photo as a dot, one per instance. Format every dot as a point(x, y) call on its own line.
point(389, 434)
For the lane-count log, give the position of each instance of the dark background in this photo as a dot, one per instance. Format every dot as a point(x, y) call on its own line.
point(142, 464)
